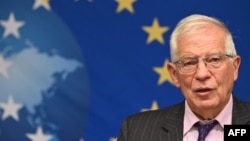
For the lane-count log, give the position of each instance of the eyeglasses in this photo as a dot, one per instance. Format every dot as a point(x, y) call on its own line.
point(190, 64)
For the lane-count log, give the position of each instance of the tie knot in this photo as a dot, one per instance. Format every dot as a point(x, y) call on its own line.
point(204, 129)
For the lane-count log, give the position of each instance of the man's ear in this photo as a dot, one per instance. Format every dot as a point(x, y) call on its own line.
point(173, 74)
point(236, 65)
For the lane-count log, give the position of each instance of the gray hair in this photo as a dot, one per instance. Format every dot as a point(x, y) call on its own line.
point(195, 21)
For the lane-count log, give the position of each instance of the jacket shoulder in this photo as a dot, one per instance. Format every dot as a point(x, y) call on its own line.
point(159, 114)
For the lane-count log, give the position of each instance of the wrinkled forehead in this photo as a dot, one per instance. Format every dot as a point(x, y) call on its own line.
point(201, 40)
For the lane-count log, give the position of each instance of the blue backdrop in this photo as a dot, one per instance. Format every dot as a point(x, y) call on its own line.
point(72, 70)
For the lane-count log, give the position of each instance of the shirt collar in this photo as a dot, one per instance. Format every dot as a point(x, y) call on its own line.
point(224, 117)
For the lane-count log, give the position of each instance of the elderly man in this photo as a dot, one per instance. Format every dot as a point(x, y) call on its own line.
point(204, 65)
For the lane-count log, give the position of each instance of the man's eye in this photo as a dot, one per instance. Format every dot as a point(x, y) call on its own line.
point(189, 62)
point(213, 60)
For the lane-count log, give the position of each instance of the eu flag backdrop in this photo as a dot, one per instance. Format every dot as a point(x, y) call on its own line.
point(72, 70)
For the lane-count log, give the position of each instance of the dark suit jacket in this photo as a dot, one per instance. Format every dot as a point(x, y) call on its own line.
point(167, 124)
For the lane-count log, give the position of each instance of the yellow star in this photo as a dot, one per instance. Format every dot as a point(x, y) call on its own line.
point(154, 106)
point(113, 139)
point(125, 4)
point(163, 73)
point(43, 3)
point(155, 32)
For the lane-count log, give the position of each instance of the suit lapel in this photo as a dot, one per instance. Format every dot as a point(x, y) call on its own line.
point(172, 126)
point(241, 114)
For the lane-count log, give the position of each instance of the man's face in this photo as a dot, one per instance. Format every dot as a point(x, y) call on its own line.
point(205, 89)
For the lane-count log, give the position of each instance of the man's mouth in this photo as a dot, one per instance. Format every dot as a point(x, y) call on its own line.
point(203, 91)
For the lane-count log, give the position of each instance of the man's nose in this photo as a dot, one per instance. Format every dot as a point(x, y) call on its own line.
point(202, 71)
